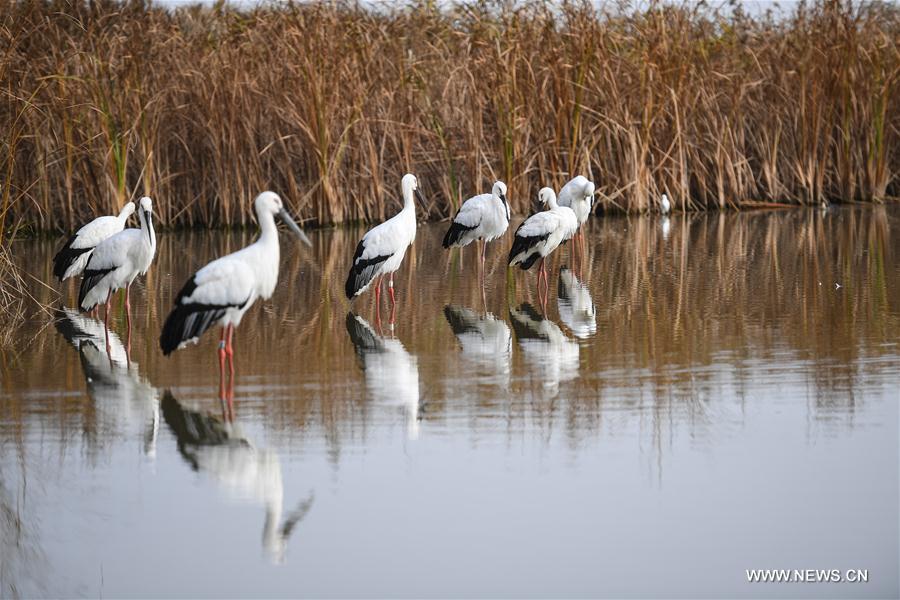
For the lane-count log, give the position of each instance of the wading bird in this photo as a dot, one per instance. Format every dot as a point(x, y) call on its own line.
point(482, 219)
point(222, 291)
point(542, 233)
point(578, 194)
point(116, 261)
point(382, 248)
point(664, 205)
point(73, 256)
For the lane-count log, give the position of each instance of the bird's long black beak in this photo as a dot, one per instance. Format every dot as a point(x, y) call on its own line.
point(148, 218)
point(283, 214)
point(420, 197)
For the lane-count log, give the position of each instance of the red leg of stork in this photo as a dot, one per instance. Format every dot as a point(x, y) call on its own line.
point(378, 300)
point(546, 279)
point(106, 320)
point(128, 307)
point(540, 283)
point(229, 350)
point(391, 290)
point(546, 287)
point(222, 364)
point(230, 400)
point(483, 256)
point(378, 290)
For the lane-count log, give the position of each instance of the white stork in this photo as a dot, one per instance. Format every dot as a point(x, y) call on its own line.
point(664, 205)
point(73, 256)
point(382, 248)
point(222, 291)
point(482, 218)
point(542, 233)
point(578, 194)
point(116, 261)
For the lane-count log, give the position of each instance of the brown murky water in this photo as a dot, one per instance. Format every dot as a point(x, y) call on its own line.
point(705, 395)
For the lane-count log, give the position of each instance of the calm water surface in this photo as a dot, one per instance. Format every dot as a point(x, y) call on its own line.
point(704, 395)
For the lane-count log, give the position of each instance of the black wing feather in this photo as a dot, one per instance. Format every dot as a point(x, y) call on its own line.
point(66, 256)
point(90, 279)
point(523, 244)
point(190, 320)
point(362, 271)
point(455, 233)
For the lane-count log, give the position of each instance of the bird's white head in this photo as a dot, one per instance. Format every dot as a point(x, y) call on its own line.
point(410, 187)
point(409, 182)
point(588, 188)
point(269, 203)
point(547, 197)
point(146, 218)
point(126, 211)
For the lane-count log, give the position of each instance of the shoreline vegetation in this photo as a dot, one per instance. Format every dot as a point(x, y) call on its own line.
point(330, 103)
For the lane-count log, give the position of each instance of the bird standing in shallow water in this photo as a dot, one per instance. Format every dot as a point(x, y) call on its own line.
point(74, 255)
point(222, 291)
point(578, 194)
point(541, 234)
point(381, 250)
point(115, 263)
point(480, 219)
point(664, 205)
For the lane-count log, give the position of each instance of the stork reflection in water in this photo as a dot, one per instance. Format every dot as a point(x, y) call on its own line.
point(576, 307)
point(218, 449)
point(123, 400)
point(486, 344)
point(552, 357)
point(392, 373)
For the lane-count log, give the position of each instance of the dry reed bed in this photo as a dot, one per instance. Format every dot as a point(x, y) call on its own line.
point(329, 103)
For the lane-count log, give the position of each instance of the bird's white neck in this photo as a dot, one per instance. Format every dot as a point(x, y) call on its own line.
point(552, 204)
point(268, 229)
point(409, 199)
point(124, 213)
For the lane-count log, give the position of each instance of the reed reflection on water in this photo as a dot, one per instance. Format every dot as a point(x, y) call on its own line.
point(674, 343)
